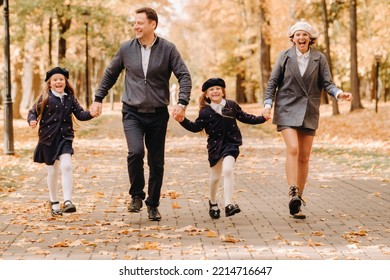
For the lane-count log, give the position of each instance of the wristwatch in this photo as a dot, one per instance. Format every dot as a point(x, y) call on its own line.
point(184, 107)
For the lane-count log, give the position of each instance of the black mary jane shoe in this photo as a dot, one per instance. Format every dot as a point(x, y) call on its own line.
point(214, 214)
point(68, 207)
point(231, 209)
point(54, 212)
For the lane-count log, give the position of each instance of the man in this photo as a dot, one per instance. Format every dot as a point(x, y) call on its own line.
point(149, 61)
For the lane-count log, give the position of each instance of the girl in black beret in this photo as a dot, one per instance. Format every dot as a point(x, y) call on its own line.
point(217, 116)
point(54, 109)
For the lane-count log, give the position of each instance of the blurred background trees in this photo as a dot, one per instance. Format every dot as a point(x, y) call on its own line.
point(238, 40)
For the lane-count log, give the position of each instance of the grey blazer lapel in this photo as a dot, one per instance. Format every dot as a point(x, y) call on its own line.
point(312, 65)
point(294, 68)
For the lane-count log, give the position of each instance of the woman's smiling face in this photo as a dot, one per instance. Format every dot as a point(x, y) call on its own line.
point(301, 39)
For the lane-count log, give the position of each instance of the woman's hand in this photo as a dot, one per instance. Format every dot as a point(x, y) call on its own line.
point(347, 96)
point(33, 123)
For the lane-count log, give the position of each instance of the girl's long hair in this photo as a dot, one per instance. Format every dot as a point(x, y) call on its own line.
point(41, 100)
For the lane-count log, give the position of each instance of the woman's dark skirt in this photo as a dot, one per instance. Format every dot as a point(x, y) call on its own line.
point(301, 129)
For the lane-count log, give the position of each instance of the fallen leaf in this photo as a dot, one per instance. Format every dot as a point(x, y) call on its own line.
point(211, 234)
point(146, 246)
point(313, 244)
point(60, 244)
point(277, 237)
point(230, 239)
point(41, 252)
point(99, 194)
point(296, 243)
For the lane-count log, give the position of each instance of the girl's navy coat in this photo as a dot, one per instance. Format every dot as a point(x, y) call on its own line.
point(57, 117)
point(224, 136)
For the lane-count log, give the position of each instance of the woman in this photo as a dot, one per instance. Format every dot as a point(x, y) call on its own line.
point(294, 88)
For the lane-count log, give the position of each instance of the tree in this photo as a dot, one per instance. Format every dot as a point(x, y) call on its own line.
point(64, 22)
point(265, 44)
point(355, 104)
point(335, 106)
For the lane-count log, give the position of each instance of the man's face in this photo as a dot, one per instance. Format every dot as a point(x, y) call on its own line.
point(143, 27)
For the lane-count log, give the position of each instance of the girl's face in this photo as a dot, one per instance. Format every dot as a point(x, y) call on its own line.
point(58, 83)
point(301, 40)
point(215, 94)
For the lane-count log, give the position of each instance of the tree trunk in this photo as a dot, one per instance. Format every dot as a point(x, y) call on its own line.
point(240, 89)
point(18, 70)
point(63, 26)
point(265, 46)
point(355, 104)
point(335, 106)
point(36, 81)
point(50, 41)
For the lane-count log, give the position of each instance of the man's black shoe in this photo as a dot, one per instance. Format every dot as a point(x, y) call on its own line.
point(154, 214)
point(135, 205)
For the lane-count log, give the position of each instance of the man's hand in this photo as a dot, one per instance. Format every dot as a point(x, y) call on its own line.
point(178, 113)
point(96, 109)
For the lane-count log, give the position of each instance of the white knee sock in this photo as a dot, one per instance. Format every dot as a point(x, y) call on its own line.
point(228, 179)
point(66, 175)
point(52, 183)
point(215, 177)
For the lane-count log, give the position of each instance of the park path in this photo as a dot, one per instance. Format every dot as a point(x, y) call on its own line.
point(348, 215)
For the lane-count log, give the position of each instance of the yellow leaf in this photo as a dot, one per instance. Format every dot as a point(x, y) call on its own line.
point(313, 244)
point(176, 206)
point(277, 237)
point(318, 233)
point(211, 234)
point(99, 194)
point(41, 252)
point(60, 244)
point(230, 239)
point(152, 245)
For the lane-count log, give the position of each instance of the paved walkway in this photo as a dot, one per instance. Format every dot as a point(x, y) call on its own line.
point(348, 216)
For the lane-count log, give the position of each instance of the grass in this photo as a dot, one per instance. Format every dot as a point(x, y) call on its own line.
point(373, 162)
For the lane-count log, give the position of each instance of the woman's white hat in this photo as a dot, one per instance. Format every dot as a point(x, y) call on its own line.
point(302, 25)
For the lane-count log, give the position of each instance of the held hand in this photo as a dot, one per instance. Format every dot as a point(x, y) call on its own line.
point(33, 124)
point(345, 96)
point(267, 113)
point(178, 113)
point(96, 109)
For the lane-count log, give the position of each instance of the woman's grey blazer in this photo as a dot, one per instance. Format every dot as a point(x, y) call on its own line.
point(297, 98)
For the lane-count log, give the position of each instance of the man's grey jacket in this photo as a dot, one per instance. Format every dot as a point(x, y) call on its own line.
point(151, 91)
